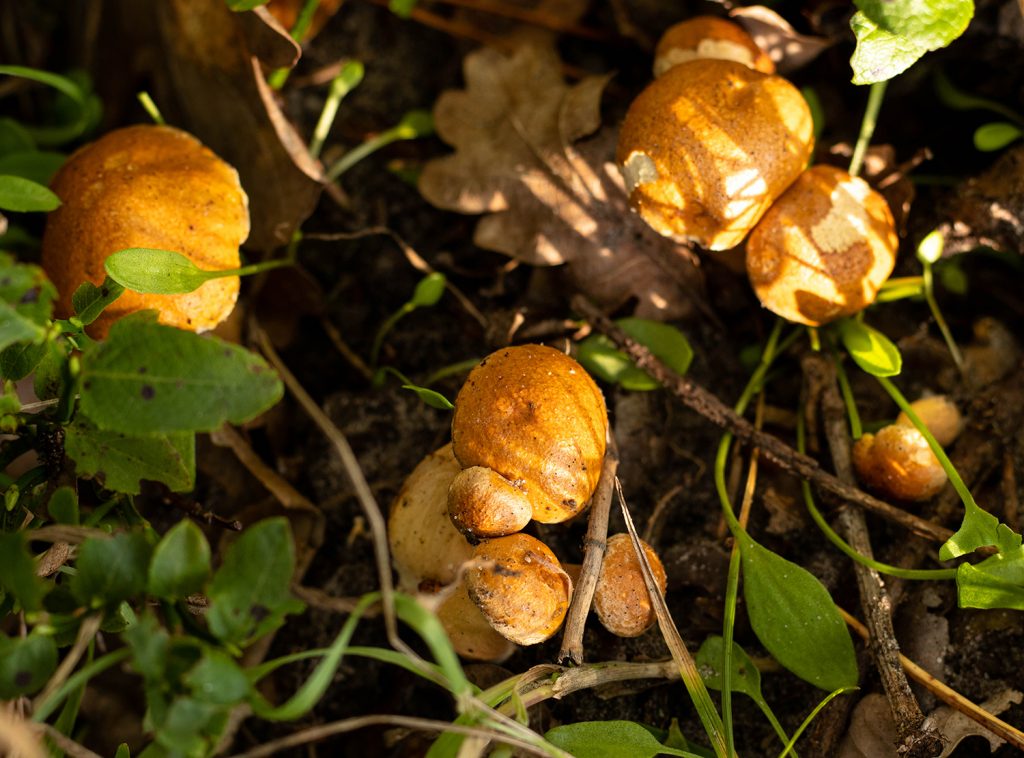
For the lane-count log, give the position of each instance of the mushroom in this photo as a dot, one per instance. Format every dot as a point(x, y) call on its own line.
point(520, 586)
point(147, 187)
point(709, 37)
point(939, 414)
point(426, 548)
point(824, 249)
point(529, 429)
point(621, 599)
point(898, 462)
point(708, 146)
point(470, 633)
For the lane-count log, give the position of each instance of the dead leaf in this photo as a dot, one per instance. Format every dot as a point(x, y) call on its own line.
point(787, 48)
point(550, 199)
point(956, 727)
point(208, 70)
point(988, 210)
point(286, 12)
point(872, 733)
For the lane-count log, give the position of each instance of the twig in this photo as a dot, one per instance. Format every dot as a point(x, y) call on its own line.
point(914, 738)
point(86, 632)
point(65, 743)
point(594, 546)
point(705, 403)
point(948, 695)
point(66, 533)
point(195, 509)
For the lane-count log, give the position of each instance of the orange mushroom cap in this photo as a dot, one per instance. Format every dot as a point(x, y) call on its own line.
point(709, 37)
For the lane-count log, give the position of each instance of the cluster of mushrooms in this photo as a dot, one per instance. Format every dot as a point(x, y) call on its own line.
point(529, 434)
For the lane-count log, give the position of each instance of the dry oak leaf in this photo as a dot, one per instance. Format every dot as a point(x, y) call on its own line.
point(550, 199)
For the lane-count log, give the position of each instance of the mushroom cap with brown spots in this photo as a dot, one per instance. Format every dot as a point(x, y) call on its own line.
point(898, 462)
point(824, 249)
point(534, 416)
point(621, 599)
point(709, 37)
point(147, 187)
point(708, 146)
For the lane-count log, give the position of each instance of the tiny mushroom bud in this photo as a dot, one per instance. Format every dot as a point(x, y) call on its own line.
point(898, 462)
point(468, 629)
point(425, 547)
point(521, 588)
point(824, 249)
point(709, 37)
point(147, 187)
point(939, 414)
point(708, 146)
point(621, 599)
point(529, 427)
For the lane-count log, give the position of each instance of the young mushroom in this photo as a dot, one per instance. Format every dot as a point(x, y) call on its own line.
point(709, 37)
point(529, 429)
point(621, 599)
point(939, 414)
point(898, 462)
point(147, 187)
point(520, 586)
point(470, 632)
point(708, 146)
point(824, 248)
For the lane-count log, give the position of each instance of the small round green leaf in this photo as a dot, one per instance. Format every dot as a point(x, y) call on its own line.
point(18, 194)
point(996, 136)
point(417, 123)
point(111, 570)
point(429, 290)
point(929, 250)
point(218, 679)
point(25, 664)
point(870, 349)
point(181, 562)
point(745, 676)
point(609, 739)
point(155, 272)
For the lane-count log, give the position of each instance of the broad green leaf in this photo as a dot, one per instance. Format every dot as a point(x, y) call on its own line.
point(63, 506)
point(25, 664)
point(111, 570)
point(186, 726)
point(26, 301)
point(978, 529)
point(250, 593)
point(24, 195)
point(996, 582)
point(430, 397)
point(745, 676)
point(870, 349)
point(122, 460)
point(428, 291)
point(52, 377)
point(996, 136)
point(181, 562)
point(150, 643)
point(36, 165)
point(880, 55)
point(20, 359)
point(157, 272)
point(600, 357)
point(795, 619)
point(218, 679)
point(147, 378)
point(89, 301)
point(18, 572)
point(609, 739)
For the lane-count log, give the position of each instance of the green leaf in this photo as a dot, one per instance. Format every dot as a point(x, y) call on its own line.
point(78, 107)
point(415, 123)
point(25, 664)
point(795, 619)
point(245, 5)
point(20, 359)
point(929, 249)
point(181, 562)
point(745, 676)
point(250, 593)
point(123, 751)
point(996, 582)
point(14, 138)
point(157, 272)
point(402, 8)
point(18, 572)
point(36, 165)
point(218, 679)
point(26, 301)
point(955, 98)
point(978, 529)
point(147, 378)
point(996, 136)
point(89, 301)
point(185, 727)
point(430, 397)
point(893, 34)
point(150, 643)
point(428, 291)
point(609, 739)
point(599, 356)
point(52, 376)
point(122, 460)
point(870, 349)
point(63, 506)
point(23, 195)
point(111, 570)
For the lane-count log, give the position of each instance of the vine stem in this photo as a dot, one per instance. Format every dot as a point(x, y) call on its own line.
point(867, 126)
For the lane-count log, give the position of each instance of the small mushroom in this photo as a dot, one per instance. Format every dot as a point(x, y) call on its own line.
point(898, 462)
point(147, 187)
point(426, 548)
point(708, 146)
point(520, 586)
point(529, 428)
point(621, 599)
point(824, 249)
point(939, 414)
point(470, 633)
point(709, 37)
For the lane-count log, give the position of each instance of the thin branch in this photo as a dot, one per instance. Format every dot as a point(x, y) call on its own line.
point(708, 405)
point(86, 632)
point(65, 743)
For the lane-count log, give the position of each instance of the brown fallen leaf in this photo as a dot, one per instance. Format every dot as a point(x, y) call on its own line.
point(987, 210)
point(551, 199)
point(787, 48)
point(955, 727)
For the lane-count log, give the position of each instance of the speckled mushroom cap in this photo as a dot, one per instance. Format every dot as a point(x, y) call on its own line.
point(534, 416)
point(709, 37)
point(824, 249)
point(898, 462)
point(621, 599)
point(708, 146)
point(153, 187)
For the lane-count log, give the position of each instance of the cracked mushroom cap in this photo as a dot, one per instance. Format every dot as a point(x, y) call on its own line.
point(939, 414)
point(708, 146)
point(621, 599)
point(709, 37)
point(824, 249)
point(520, 587)
point(469, 631)
point(898, 462)
point(531, 422)
point(149, 187)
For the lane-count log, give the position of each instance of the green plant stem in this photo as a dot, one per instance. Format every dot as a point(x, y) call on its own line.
point(900, 288)
point(856, 429)
point(810, 717)
point(347, 79)
point(867, 126)
point(839, 542)
point(929, 296)
point(372, 145)
point(83, 675)
point(255, 268)
point(450, 370)
point(385, 328)
point(278, 77)
point(154, 113)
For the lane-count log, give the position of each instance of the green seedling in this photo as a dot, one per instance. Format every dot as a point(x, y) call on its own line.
point(598, 355)
point(85, 111)
point(988, 137)
point(150, 107)
point(431, 397)
point(929, 252)
point(277, 78)
point(164, 272)
point(428, 292)
point(348, 79)
point(413, 125)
